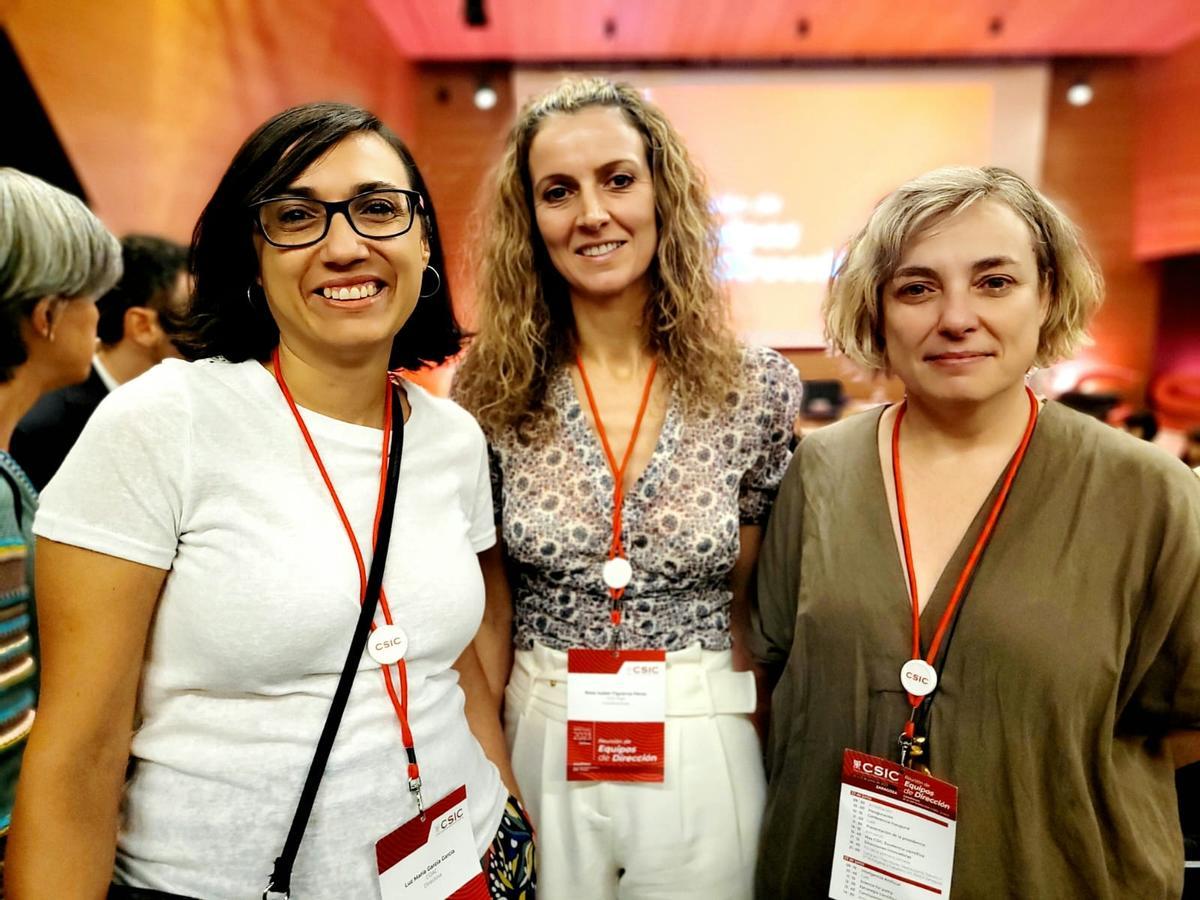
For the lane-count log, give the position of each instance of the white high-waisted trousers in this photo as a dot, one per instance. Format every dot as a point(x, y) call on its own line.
point(693, 836)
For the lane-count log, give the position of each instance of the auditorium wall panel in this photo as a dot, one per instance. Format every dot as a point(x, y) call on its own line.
point(151, 99)
point(1167, 195)
point(1089, 170)
point(457, 146)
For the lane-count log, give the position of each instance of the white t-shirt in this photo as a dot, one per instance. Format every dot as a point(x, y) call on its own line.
point(200, 469)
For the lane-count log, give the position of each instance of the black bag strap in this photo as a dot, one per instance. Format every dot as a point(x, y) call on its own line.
point(18, 503)
point(280, 885)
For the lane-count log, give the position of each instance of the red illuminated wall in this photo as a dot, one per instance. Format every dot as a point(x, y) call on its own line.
point(150, 99)
point(456, 145)
point(1089, 170)
point(1167, 211)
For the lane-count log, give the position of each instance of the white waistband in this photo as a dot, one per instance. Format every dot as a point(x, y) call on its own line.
point(699, 682)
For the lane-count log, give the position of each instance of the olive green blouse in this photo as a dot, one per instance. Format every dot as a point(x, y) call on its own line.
point(1076, 649)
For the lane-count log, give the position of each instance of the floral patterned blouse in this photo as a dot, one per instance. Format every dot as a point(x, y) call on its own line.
point(707, 475)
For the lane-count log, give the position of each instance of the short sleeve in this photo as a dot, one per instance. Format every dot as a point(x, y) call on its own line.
point(121, 490)
point(774, 405)
point(483, 521)
point(1164, 662)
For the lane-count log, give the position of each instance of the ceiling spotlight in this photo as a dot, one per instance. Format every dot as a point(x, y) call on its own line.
point(474, 14)
point(1080, 93)
point(485, 96)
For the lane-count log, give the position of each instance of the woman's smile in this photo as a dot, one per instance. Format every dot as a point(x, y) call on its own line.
point(353, 294)
point(600, 252)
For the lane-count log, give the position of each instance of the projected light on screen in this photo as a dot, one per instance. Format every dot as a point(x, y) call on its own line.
point(795, 170)
point(796, 160)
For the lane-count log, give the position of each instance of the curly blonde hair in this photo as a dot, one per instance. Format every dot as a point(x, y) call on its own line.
point(525, 326)
point(853, 307)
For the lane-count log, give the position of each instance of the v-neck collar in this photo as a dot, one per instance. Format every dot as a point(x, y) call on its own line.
point(586, 446)
point(897, 579)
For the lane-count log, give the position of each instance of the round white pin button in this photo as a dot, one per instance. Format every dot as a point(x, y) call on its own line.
point(918, 677)
point(617, 572)
point(387, 644)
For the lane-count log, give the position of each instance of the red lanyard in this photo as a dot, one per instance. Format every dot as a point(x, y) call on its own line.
point(399, 703)
point(616, 550)
point(981, 543)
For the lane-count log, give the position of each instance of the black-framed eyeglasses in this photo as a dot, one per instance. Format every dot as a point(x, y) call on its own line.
point(302, 221)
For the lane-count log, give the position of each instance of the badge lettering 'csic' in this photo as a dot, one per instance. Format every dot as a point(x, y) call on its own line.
point(448, 820)
point(879, 771)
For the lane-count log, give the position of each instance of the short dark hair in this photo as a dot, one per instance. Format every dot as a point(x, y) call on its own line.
point(226, 318)
point(152, 265)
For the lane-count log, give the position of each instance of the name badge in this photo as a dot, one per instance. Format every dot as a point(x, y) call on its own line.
point(895, 832)
point(434, 859)
point(616, 709)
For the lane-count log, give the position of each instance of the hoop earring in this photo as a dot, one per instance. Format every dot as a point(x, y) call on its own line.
point(259, 308)
point(424, 295)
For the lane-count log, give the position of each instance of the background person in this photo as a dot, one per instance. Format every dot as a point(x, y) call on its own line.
point(55, 257)
point(197, 513)
point(602, 325)
point(1191, 449)
point(1141, 424)
point(1069, 687)
point(137, 319)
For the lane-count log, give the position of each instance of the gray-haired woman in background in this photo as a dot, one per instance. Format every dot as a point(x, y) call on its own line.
point(55, 259)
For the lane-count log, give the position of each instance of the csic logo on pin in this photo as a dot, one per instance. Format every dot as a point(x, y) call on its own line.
point(387, 644)
point(918, 677)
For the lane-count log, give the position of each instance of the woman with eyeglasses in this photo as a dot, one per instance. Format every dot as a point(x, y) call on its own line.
point(210, 544)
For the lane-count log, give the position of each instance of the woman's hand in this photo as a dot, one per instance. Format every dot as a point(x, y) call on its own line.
point(483, 716)
point(94, 613)
point(484, 666)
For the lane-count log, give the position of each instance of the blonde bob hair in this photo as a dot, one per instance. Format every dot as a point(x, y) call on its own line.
point(525, 324)
point(853, 307)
